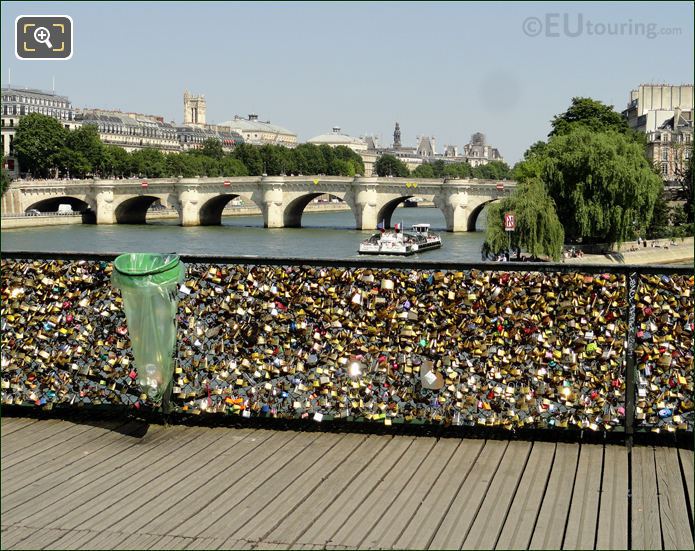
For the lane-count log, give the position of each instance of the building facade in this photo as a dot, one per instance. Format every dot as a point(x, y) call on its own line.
point(193, 137)
point(358, 145)
point(477, 152)
point(131, 131)
point(19, 102)
point(664, 113)
point(257, 132)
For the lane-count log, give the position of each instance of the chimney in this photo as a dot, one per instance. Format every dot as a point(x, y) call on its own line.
point(253, 117)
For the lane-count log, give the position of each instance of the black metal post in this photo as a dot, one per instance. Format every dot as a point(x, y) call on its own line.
point(631, 288)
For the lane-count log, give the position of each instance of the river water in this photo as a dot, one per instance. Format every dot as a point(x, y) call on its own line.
point(329, 235)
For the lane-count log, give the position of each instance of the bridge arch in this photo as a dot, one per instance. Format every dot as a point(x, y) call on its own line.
point(210, 213)
point(134, 210)
point(51, 204)
point(292, 214)
point(475, 212)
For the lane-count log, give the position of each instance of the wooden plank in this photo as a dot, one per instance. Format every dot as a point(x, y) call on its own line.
point(72, 500)
point(521, 520)
point(79, 460)
point(14, 535)
point(205, 543)
point(583, 517)
point(422, 527)
point(612, 518)
point(295, 523)
point(127, 490)
point(172, 542)
point(231, 543)
point(42, 434)
point(383, 496)
point(492, 514)
point(331, 519)
point(73, 539)
point(40, 494)
point(40, 539)
point(646, 526)
point(136, 541)
point(10, 425)
point(550, 525)
point(213, 447)
point(276, 507)
point(102, 540)
point(458, 519)
point(281, 490)
point(686, 457)
point(225, 489)
point(675, 525)
point(395, 519)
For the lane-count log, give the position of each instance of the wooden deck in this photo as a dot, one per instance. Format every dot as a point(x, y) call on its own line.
point(109, 485)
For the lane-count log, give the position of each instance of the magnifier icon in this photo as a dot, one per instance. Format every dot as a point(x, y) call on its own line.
point(43, 36)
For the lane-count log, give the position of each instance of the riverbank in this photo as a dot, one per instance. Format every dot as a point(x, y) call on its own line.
point(681, 252)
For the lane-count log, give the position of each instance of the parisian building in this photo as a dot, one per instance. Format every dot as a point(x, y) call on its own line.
point(18, 102)
point(664, 112)
point(358, 145)
point(477, 152)
point(132, 131)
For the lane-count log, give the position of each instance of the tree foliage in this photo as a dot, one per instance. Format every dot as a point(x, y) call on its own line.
point(590, 113)
point(388, 165)
point(37, 141)
point(602, 184)
point(538, 229)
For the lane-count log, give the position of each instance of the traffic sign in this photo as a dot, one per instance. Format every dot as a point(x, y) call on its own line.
point(509, 221)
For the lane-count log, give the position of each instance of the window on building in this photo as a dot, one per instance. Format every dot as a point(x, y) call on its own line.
point(664, 169)
point(11, 122)
point(664, 154)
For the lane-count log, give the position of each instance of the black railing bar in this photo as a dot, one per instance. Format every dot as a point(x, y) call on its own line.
point(660, 269)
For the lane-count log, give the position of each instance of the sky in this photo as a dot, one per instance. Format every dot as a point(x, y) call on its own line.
point(440, 69)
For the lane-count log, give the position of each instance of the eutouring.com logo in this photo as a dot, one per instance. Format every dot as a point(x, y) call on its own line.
point(568, 25)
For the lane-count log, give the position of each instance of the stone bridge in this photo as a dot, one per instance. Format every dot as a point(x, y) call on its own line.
point(281, 199)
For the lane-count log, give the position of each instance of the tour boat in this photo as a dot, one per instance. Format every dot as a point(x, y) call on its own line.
point(400, 242)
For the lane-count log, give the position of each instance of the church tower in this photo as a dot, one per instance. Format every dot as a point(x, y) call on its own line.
point(397, 137)
point(193, 109)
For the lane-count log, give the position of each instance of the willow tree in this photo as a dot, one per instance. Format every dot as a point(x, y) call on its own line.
point(538, 229)
point(602, 183)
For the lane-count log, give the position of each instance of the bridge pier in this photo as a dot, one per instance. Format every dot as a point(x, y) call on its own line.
point(106, 211)
point(453, 203)
point(189, 210)
point(366, 202)
point(272, 201)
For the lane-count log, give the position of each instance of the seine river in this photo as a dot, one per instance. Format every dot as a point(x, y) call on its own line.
point(329, 235)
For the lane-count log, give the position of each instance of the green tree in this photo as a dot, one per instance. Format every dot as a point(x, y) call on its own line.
point(250, 157)
point(685, 179)
point(658, 227)
point(424, 170)
point(212, 148)
point(438, 168)
point(4, 179)
point(148, 162)
point(230, 167)
point(71, 163)
point(344, 153)
point(86, 141)
point(388, 165)
point(116, 161)
point(601, 183)
point(538, 229)
point(590, 113)
point(37, 140)
point(494, 170)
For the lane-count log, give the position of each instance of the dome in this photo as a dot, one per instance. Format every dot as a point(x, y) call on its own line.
point(335, 138)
